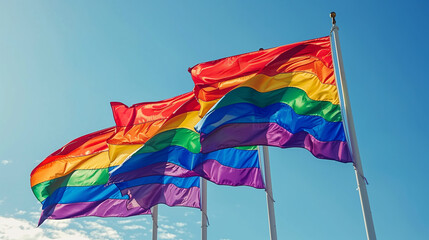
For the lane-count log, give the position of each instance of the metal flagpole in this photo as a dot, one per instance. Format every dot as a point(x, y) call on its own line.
point(269, 192)
point(367, 216)
point(203, 209)
point(154, 222)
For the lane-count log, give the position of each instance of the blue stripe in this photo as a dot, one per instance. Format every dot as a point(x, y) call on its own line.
point(180, 156)
point(180, 182)
point(112, 168)
point(83, 194)
point(279, 113)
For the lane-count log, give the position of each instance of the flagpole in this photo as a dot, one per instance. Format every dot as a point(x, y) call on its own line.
point(203, 209)
point(366, 210)
point(154, 211)
point(269, 192)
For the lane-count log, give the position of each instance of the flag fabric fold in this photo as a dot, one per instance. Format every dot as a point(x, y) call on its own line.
point(284, 97)
point(136, 124)
point(71, 181)
point(174, 152)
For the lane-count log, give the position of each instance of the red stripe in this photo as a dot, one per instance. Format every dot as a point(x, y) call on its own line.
point(137, 126)
point(301, 56)
point(147, 111)
point(86, 145)
point(253, 62)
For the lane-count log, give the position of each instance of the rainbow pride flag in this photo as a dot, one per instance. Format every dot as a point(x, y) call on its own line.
point(173, 153)
point(284, 97)
point(71, 181)
point(137, 124)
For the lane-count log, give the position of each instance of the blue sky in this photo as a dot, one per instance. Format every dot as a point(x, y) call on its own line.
point(62, 62)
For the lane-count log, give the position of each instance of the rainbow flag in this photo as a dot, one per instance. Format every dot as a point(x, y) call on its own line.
point(173, 153)
point(71, 181)
point(284, 97)
point(137, 124)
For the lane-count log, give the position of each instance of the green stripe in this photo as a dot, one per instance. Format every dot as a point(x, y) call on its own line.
point(182, 137)
point(80, 177)
point(247, 148)
point(294, 97)
point(179, 137)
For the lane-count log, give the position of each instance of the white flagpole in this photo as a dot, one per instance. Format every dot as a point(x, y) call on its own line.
point(269, 192)
point(203, 209)
point(367, 216)
point(154, 222)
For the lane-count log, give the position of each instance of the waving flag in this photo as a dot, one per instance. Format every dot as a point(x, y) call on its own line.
point(284, 97)
point(136, 124)
point(173, 154)
point(71, 181)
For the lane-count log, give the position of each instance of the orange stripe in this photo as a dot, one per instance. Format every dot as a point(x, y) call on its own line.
point(310, 64)
point(89, 144)
point(137, 134)
point(63, 167)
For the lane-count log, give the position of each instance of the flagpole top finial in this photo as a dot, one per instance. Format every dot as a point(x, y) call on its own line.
point(333, 15)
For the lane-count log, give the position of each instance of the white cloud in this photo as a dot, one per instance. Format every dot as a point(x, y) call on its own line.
point(133, 227)
point(65, 234)
point(165, 235)
point(101, 221)
point(146, 220)
point(78, 225)
point(35, 215)
point(21, 212)
point(163, 232)
point(59, 224)
point(189, 214)
point(101, 232)
point(162, 218)
point(167, 226)
point(5, 162)
point(20, 229)
point(124, 221)
point(15, 228)
point(180, 224)
point(22, 225)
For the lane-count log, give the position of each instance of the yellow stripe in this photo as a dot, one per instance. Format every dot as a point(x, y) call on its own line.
point(186, 120)
point(295, 64)
point(119, 153)
point(206, 106)
point(63, 167)
point(308, 82)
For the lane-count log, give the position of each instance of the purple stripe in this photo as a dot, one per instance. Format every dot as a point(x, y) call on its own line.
point(220, 174)
point(271, 134)
point(147, 196)
point(160, 168)
point(106, 208)
point(211, 170)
